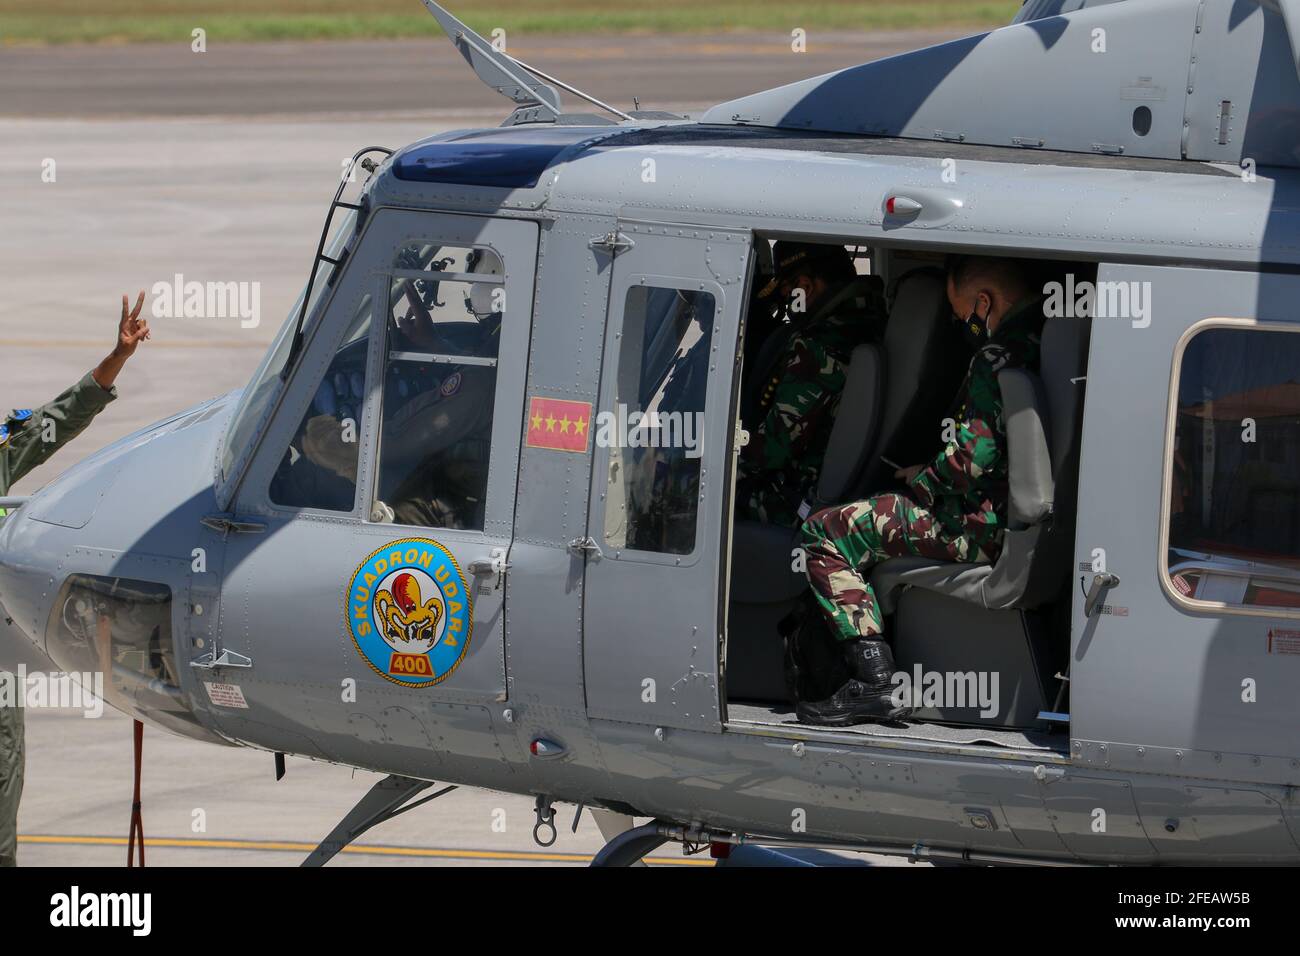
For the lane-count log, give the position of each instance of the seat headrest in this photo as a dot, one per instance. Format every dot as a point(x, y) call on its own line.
point(921, 305)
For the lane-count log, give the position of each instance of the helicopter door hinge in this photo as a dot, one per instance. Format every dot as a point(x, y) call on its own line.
point(228, 523)
point(742, 437)
point(612, 243)
point(585, 548)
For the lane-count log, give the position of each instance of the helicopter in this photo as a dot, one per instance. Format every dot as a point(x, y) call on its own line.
point(473, 520)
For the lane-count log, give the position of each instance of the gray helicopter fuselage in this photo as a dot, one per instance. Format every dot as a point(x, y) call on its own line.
point(595, 673)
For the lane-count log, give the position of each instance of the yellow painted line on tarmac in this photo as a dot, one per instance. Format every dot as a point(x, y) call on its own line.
point(190, 843)
point(99, 343)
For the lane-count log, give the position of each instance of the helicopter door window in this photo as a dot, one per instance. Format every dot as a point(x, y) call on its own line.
point(447, 301)
point(654, 452)
point(444, 330)
point(319, 468)
point(1234, 490)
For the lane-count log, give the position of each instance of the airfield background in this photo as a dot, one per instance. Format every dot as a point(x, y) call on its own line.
point(129, 158)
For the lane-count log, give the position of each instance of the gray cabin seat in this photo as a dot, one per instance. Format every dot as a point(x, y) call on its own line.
point(956, 618)
point(924, 360)
point(1042, 413)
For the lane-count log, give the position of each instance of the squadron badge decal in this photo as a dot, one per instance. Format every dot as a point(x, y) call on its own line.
point(408, 611)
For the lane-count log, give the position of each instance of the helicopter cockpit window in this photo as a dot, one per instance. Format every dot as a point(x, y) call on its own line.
point(319, 468)
point(446, 305)
point(1234, 505)
point(258, 396)
point(655, 449)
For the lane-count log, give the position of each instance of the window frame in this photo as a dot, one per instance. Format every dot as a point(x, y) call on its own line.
point(388, 276)
point(1194, 605)
point(679, 284)
point(318, 378)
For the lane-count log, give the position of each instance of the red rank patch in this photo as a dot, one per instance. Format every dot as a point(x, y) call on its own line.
point(558, 424)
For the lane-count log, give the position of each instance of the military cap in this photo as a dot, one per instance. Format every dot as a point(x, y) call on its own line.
point(790, 256)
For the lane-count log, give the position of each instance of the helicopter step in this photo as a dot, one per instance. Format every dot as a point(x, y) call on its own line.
point(382, 802)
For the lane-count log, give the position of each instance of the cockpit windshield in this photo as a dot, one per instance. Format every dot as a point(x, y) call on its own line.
point(265, 385)
point(336, 244)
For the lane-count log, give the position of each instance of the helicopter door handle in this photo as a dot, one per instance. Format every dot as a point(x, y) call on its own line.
point(496, 564)
point(612, 243)
point(1101, 583)
point(585, 548)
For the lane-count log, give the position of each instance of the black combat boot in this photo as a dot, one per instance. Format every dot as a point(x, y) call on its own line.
point(867, 695)
point(814, 665)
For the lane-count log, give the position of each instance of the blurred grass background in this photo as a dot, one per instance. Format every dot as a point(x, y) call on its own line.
point(126, 21)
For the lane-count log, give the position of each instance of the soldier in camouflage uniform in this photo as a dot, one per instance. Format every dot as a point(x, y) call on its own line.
point(955, 506)
point(800, 370)
point(27, 439)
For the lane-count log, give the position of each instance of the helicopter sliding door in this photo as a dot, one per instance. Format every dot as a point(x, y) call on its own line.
point(1189, 495)
point(653, 608)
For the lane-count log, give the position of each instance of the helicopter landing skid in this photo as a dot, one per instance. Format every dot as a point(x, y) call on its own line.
point(382, 802)
point(628, 847)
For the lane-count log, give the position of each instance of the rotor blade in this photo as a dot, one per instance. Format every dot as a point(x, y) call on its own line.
point(492, 67)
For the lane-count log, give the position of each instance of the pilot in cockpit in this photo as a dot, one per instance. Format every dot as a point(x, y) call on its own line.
point(438, 398)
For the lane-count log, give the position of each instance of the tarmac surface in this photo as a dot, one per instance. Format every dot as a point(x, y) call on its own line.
point(121, 167)
point(395, 76)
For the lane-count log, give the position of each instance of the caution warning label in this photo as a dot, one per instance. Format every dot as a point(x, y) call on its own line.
point(226, 695)
point(1283, 641)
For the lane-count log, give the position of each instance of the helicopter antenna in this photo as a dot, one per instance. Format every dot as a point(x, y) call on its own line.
point(501, 71)
point(570, 89)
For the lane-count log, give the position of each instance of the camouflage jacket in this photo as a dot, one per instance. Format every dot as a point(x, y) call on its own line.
point(966, 485)
point(49, 428)
point(798, 402)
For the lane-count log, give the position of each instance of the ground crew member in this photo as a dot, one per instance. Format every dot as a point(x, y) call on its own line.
point(954, 508)
point(799, 373)
point(28, 438)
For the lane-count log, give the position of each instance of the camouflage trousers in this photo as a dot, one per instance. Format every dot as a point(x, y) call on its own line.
point(842, 543)
point(11, 781)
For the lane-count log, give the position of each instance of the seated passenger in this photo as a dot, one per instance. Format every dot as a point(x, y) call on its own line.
point(954, 508)
point(798, 375)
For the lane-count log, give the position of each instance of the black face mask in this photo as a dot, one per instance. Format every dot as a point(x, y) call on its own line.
point(974, 330)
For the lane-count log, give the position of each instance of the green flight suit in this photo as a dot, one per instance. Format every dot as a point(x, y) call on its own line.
point(50, 428)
